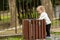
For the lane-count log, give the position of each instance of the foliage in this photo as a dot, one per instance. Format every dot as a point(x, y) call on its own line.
point(33, 15)
point(55, 22)
point(3, 5)
point(28, 6)
point(53, 2)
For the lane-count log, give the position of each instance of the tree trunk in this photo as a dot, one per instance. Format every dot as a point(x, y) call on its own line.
point(13, 11)
point(49, 8)
point(0, 15)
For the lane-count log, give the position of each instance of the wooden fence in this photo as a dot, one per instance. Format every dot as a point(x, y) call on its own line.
point(34, 29)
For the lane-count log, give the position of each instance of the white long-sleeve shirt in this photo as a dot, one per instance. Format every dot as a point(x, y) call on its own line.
point(44, 16)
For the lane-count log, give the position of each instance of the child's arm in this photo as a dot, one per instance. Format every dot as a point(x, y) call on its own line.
point(42, 16)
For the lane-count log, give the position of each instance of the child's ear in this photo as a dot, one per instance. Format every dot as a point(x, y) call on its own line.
point(45, 7)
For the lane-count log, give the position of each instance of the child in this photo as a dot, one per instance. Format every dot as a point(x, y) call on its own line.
point(43, 15)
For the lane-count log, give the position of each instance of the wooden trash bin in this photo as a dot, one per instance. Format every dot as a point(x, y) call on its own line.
point(34, 29)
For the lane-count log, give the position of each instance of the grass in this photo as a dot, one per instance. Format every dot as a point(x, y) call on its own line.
point(57, 33)
point(55, 22)
point(12, 38)
point(5, 18)
point(21, 38)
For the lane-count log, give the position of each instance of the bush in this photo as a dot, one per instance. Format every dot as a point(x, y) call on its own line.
point(33, 15)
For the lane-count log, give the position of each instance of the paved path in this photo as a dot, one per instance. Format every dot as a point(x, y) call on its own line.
point(55, 29)
point(54, 37)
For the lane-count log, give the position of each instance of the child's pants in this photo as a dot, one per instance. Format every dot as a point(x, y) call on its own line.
point(48, 29)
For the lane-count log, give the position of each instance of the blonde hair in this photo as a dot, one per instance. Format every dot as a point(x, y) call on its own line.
point(41, 8)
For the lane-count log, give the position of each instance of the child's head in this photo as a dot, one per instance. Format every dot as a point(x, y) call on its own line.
point(40, 9)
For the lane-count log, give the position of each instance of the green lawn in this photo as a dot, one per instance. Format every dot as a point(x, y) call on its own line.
point(20, 38)
point(5, 18)
point(55, 22)
point(12, 38)
point(57, 33)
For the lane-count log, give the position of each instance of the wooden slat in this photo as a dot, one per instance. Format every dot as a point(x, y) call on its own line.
point(30, 30)
point(40, 30)
point(33, 31)
point(25, 29)
point(37, 29)
point(44, 29)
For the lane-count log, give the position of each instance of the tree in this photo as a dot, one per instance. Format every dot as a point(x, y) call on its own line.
point(3, 6)
point(27, 6)
point(13, 11)
point(49, 7)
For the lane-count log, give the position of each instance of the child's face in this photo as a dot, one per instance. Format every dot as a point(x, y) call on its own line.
point(39, 11)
